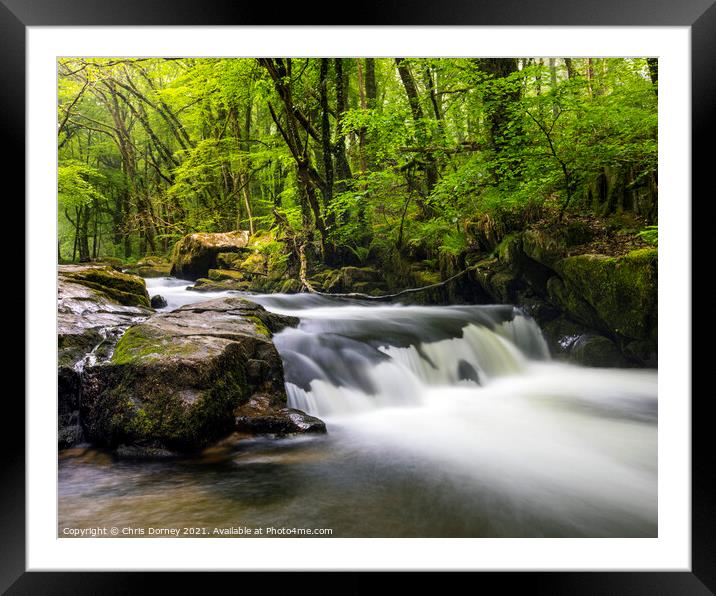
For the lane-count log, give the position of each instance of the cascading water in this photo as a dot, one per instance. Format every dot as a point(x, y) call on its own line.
point(353, 358)
point(443, 421)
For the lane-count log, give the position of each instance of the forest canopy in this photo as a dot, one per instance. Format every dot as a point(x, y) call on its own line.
point(354, 157)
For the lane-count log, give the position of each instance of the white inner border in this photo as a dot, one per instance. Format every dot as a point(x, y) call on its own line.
point(670, 551)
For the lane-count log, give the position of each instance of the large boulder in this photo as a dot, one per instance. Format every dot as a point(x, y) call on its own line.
point(122, 288)
point(179, 380)
point(622, 291)
point(195, 254)
point(94, 307)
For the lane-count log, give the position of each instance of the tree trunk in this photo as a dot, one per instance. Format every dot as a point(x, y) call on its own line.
point(500, 99)
point(308, 177)
point(653, 64)
point(326, 138)
point(344, 170)
point(83, 242)
point(553, 84)
point(571, 71)
point(371, 91)
point(411, 90)
point(95, 244)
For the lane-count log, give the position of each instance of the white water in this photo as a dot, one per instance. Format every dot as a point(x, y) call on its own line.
point(469, 395)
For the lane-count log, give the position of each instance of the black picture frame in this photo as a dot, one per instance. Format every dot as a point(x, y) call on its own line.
point(700, 15)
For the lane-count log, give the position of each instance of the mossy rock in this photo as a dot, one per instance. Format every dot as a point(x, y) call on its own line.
point(349, 279)
point(73, 347)
point(426, 278)
point(89, 321)
point(151, 270)
point(175, 380)
point(204, 284)
point(229, 260)
point(152, 260)
point(598, 351)
point(622, 291)
point(225, 274)
point(500, 282)
point(571, 302)
point(195, 254)
point(255, 263)
point(542, 248)
point(358, 274)
point(510, 249)
point(115, 262)
point(124, 288)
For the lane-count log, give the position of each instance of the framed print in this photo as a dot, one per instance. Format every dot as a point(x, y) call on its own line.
point(394, 282)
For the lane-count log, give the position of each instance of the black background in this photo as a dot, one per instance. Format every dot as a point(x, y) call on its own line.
point(16, 15)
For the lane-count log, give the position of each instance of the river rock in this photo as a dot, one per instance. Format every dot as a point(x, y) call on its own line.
point(259, 416)
point(195, 254)
point(158, 301)
point(113, 285)
point(204, 284)
point(95, 304)
point(152, 266)
point(91, 303)
point(176, 380)
point(622, 291)
point(597, 350)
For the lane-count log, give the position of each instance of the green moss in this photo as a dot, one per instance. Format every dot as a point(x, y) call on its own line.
point(254, 263)
point(228, 260)
point(158, 270)
point(138, 406)
point(141, 424)
point(426, 278)
point(137, 344)
point(225, 274)
point(152, 260)
point(208, 285)
point(622, 291)
point(126, 289)
point(72, 347)
point(509, 249)
point(259, 324)
point(571, 302)
point(542, 248)
point(133, 345)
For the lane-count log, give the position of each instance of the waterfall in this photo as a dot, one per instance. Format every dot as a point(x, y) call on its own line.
point(345, 358)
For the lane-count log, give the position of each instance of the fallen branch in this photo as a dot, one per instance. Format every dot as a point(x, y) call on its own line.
point(307, 284)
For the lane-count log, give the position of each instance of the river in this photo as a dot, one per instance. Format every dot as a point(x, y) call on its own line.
point(447, 421)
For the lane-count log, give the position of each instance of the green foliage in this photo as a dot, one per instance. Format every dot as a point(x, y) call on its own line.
point(650, 234)
point(78, 184)
point(151, 149)
point(361, 253)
